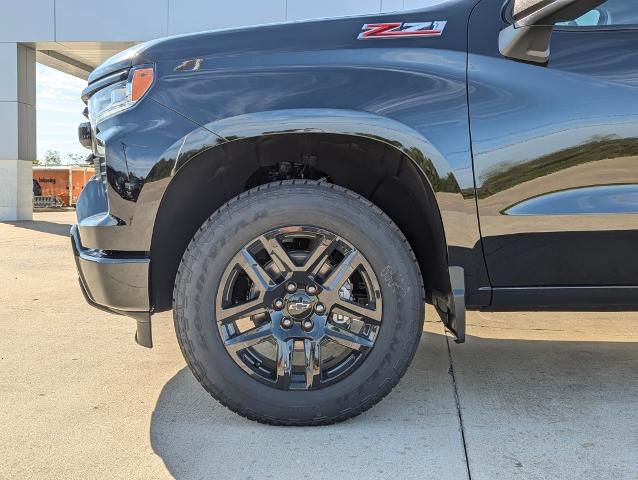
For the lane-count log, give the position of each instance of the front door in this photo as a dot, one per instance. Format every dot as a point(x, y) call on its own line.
point(556, 159)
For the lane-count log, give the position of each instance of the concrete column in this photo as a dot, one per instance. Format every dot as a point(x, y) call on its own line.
point(18, 131)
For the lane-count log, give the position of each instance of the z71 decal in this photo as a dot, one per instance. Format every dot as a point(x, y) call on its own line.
point(402, 30)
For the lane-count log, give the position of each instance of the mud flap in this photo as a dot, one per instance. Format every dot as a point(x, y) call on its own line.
point(143, 335)
point(451, 307)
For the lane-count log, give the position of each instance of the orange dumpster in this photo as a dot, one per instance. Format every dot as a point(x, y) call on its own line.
point(63, 183)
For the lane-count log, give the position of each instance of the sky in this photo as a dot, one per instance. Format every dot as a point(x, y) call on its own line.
point(59, 111)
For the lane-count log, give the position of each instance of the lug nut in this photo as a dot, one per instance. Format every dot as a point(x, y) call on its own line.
point(307, 325)
point(278, 304)
point(291, 287)
point(286, 322)
point(320, 308)
point(311, 289)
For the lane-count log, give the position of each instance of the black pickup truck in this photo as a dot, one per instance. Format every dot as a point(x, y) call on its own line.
point(297, 192)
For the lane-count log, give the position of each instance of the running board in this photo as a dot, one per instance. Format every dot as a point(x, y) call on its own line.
point(451, 307)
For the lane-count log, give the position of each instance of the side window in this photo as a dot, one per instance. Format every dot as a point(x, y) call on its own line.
point(612, 13)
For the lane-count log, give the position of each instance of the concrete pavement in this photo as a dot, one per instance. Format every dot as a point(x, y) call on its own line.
point(540, 395)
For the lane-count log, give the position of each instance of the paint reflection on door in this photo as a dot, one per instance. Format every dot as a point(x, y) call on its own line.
point(556, 159)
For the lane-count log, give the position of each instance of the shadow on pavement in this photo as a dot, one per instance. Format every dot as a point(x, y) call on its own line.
point(531, 408)
point(413, 430)
point(53, 228)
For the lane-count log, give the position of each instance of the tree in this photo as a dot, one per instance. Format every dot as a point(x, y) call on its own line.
point(75, 158)
point(52, 157)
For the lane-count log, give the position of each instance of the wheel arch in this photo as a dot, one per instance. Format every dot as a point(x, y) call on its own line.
point(381, 159)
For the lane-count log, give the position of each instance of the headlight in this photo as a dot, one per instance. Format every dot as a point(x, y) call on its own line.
point(119, 96)
point(110, 100)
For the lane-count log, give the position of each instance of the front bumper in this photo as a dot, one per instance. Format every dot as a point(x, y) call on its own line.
point(115, 281)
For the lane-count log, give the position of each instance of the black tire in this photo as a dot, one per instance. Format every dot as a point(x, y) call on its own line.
point(317, 204)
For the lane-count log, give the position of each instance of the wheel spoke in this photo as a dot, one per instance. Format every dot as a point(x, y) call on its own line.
point(236, 312)
point(249, 338)
point(284, 362)
point(343, 271)
point(367, 314)
point(279, 255)
point(316, 260)
point(255, 271)
point(312, 351)
point(347, 338)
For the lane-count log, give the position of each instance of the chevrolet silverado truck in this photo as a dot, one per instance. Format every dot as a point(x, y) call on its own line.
point(296, 193)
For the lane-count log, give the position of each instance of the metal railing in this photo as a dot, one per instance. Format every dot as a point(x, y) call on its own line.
point(46, 202)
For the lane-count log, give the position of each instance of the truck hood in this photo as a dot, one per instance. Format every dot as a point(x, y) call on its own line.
point(307, 35)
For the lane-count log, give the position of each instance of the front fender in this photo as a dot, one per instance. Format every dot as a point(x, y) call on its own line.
point(457, 209)
point(455, 201)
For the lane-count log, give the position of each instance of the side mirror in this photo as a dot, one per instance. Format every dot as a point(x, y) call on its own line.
point(528, 37)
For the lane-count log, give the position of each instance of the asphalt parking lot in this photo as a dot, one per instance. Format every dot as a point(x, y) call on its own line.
point(530, 395)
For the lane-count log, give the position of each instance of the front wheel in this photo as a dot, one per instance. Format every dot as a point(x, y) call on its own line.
point(298, 303)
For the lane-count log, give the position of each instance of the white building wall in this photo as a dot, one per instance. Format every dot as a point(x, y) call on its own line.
point(17, 130)
point(139, 20)
point(112, 20)
point(197, 15)
point(27, 20)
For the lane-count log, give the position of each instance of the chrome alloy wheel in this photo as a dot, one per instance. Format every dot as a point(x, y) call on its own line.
point(298, 308)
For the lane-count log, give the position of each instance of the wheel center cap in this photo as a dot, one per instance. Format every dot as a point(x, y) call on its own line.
point(299, 305)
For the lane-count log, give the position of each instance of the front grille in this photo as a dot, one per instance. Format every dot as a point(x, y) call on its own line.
point(100, 168)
